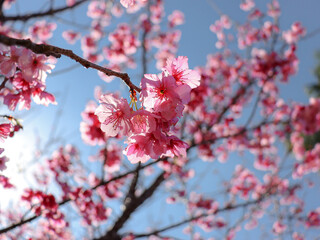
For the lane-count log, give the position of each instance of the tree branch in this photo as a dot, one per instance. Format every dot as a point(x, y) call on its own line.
point(3, 84)
point(130, 208)
point(49, 12)
point(50, 50)
point(1, 8)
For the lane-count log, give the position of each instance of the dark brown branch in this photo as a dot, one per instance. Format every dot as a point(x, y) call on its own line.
point(50, 50)
point(30, 219)
point(13, 226)
point(49, 12)
point(3, 84)
point(131, 192)
point(112, 234)
point(1, 8)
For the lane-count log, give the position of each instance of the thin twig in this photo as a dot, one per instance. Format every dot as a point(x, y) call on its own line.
point(49, 12)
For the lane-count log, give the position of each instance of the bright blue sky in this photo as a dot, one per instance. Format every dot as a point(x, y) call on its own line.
point(75, 88)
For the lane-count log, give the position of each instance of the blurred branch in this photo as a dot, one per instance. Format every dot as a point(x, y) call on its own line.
point(1, 8)
point(311, 34)
point(29, 16)
point(182, 222)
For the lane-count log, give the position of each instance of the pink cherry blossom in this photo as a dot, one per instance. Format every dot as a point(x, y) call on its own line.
point(114, 114)
point(34, 66)
point(3, 161)
point(157, 90)
point(42, 31)
point(294, 34)
point(142, 147)
point(176, 18)
point(175, 147)
point(71, 36)
point(179, 69)
point(117, 10)
point(70, 2)
point(98, 10)
point(274, 9)
point(9, 63)
point(306, 119)
point(123, 44)
point(91, 132)
point(157, 12)
point(5, 182)
point(313, 219)
point(5, 129)
point(279, 227)
point(127, 3)
point(247, 5)
point(144, 121)
point(7, 3)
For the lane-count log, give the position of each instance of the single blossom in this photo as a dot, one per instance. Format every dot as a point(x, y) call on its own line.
point(155, 90)
point(114, 114)
point(71, 36)
point(179, 69)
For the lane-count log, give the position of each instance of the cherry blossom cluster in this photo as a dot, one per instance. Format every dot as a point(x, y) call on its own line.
point(127, 3)
point(71, 36)
point(243, 182)
point(45, 205)
point(42, 31)
point(61, 165)
point(89, 46)
point(198, 204)
point(306, 122)
point(313, 218)
point(123, 44)
point(218, 27)
point(306, 119)
point(110, 156)
point(309, 159)
point(149, 130)
point(98, 10)
point(5, 131)
point(93, 213)
point(294, 34)
point(90, 129)
point(5, 181)
point(25, 75)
